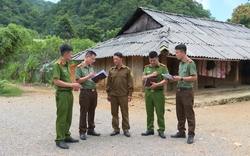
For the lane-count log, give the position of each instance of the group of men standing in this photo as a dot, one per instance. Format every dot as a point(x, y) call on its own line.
point(119, 93)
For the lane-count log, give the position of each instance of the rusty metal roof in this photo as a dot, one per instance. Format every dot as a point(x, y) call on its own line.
point(204, 38)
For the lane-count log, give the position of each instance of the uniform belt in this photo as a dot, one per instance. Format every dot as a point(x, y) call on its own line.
point(183, 89)
point(89, 90)
point(154, 90)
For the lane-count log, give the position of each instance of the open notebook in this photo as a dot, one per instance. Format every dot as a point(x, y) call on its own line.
point(99, 76)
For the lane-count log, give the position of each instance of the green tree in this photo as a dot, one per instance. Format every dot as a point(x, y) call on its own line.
point(12, 39)
point(111, 33)
point(65, 28)
point(81, 44)
point(92, 32)
point(241, 15)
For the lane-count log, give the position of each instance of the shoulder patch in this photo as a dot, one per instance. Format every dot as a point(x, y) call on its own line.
point(161, 64)
point(148, 65)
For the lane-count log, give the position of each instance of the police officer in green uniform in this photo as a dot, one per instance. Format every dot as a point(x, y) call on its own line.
point(154, 95)
point(64, 97)
point(88, 95)
point(119, 88)
point(185, 95)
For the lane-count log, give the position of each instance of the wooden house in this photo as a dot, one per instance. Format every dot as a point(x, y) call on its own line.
point(222, 44)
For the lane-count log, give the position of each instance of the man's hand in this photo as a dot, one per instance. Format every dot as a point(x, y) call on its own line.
point(129, 98)
point(176, 78)
point(153, 85)
point(155, 73)
point(91, 74)
point(76, 86)
point(171, 80)
point(108, 98)
point(76, 90)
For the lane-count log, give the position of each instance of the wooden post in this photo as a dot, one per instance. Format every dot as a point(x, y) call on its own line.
point(136, 66)
point(163, 59)
point(196, 86)
point(236, 76)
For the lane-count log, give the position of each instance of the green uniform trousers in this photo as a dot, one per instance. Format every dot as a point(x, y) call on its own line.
point(155, 100)
point(121, 101)
point(64, 105)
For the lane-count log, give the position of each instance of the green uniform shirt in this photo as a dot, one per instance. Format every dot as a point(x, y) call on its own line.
point(120, 82)
point(61, 71)
point(160, 68)
point(82, 71)
point(186, 69)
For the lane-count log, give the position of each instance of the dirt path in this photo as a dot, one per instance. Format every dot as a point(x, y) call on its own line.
point(27, 128)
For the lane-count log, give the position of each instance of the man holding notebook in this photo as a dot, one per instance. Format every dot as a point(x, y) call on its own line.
point(88, 95)
point(154, 81)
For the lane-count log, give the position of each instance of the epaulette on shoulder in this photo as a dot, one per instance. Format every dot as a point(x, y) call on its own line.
point(112, 68)
point(79, 65)
point(161, 64)
point(60, 62)
point(189, 60)
point(148, 65)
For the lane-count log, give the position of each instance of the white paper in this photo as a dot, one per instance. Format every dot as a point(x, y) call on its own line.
point(169, 76)
point(100, 72)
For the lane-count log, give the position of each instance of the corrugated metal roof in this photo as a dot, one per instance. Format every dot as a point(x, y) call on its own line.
point(204, 38)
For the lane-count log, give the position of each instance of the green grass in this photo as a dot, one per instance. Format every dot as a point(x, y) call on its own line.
point(8, 90)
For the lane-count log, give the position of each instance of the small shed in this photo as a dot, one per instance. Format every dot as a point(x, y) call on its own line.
point(226, 45)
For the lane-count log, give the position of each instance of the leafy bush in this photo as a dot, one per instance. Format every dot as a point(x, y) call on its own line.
point(46, 72)
point(9, 90)
point(33, 63)
point(13, 71)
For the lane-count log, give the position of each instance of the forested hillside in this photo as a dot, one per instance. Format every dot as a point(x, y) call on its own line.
point(94, 19)
point(22, 12)
point(40, 5)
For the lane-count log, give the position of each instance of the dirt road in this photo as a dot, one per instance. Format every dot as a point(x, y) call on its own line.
point(28, 128)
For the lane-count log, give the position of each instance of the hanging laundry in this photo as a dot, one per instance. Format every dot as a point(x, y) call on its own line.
point(219, 69)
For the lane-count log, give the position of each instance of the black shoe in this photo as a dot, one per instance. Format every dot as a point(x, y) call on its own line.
point(127, 134)
point(71, 140)
point(147, 133)
point(162, 135)
point(190, 140)
point(62, 145)
point(94, 133)
point(178, 135)
point(82, 136)
point(114, 133)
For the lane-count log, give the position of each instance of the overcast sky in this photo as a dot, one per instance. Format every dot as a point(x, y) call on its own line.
point(220, 9)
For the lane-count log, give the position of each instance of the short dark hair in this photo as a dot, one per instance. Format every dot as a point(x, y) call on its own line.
point(181, 47)
point(118, 54)
point(153, 54)
point(65, 48)
point(90, 53)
